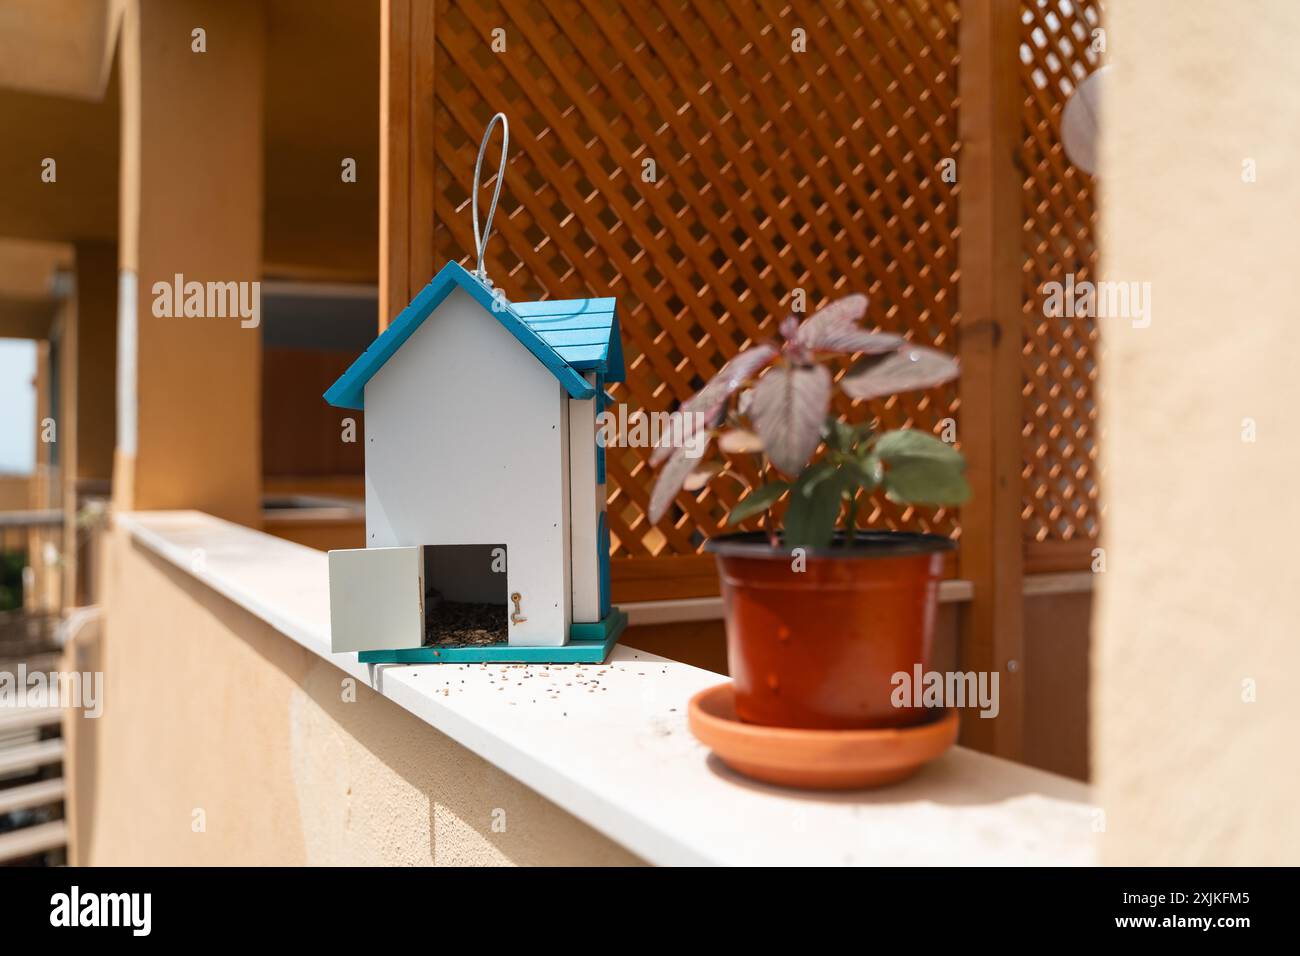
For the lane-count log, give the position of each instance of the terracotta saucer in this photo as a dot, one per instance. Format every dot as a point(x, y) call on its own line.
point(816, 759)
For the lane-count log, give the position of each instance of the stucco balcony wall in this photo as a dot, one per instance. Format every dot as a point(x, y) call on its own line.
point(223, 742)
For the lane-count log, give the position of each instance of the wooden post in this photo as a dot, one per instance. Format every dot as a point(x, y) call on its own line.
point(406, 70)
point(990, 348)
point(91, 407)
point(189, 386)
point(96, 392)
point(46, 488)
point(68, 349)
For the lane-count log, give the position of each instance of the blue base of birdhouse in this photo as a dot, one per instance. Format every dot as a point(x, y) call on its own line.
point(588, 644)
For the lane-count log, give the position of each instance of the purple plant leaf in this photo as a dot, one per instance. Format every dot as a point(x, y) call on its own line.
point(910, 368)
point(789, 405)
point(739, 441)
point(701, 476)
point(834, 328)
point(849, 308)
point(710, 399)
point(671, 479)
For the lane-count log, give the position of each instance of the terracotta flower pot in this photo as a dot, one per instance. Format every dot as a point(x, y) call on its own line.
point(818, 647)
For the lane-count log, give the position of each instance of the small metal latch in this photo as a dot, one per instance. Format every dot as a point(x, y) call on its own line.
point(516, 617)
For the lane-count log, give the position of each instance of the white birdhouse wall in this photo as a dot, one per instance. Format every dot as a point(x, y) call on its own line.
point(587, 501)
point(468, 443)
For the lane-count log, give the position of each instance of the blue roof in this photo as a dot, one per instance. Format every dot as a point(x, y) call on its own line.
point(568, 336)
point(584, 331)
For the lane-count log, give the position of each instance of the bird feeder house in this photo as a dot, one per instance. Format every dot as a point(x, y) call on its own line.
point(486, 532)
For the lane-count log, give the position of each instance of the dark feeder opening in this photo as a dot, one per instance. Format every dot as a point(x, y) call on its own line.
point(465, 599)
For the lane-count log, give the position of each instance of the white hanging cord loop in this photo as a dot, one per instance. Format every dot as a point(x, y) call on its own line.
point(480, 240)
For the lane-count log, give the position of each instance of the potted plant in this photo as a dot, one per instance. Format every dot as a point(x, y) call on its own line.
point(820, 615)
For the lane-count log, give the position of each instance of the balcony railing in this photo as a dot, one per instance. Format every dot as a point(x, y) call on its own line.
point(32, 825)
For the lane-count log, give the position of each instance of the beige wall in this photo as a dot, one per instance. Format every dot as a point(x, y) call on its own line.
point(58, 47)
point(208, 708)
point(191, 204)
point(1202, 590)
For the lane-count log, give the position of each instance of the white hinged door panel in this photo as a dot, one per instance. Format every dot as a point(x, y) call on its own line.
point(376, 599)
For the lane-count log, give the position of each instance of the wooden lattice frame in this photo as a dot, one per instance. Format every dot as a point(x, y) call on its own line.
point(766, 183)
point(1059, 48)
point(776, 170)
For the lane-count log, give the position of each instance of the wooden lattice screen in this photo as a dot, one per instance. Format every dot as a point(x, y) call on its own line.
point(773, 169)
point(1059, 48)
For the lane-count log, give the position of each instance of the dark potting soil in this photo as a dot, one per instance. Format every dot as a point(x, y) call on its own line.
point(465, 624)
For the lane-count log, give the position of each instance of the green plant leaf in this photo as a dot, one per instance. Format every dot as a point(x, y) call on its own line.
point(919, 469)
point(868, 471)
point(926, 481)
point(839, 435)
point(896, 447)
point(810, 519)
point(812, 476)
point(760, 499)
point(845, 437)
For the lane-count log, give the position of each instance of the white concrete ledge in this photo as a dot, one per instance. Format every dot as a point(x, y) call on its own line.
point(610, 744)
